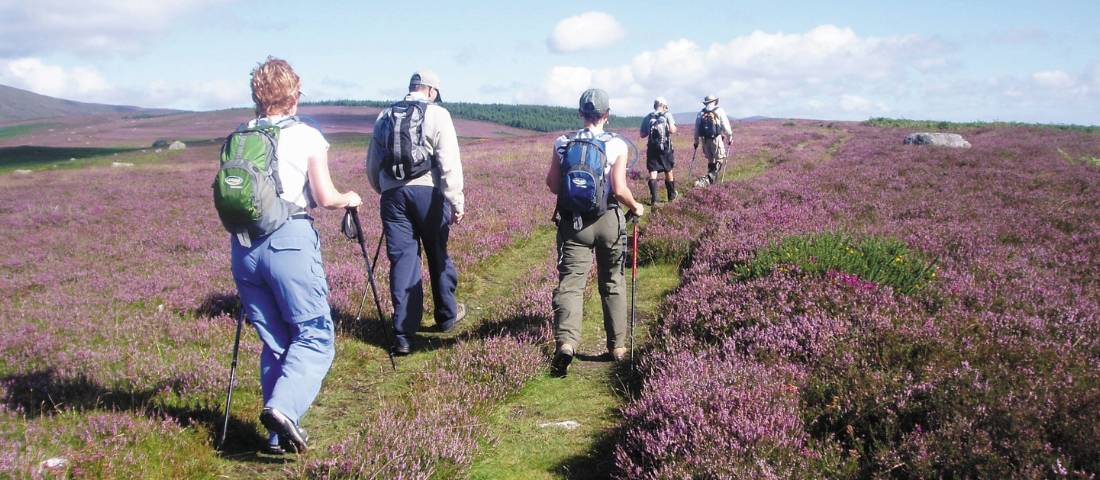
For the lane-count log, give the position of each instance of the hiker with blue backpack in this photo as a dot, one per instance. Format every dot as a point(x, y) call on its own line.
point(657, 128)
point(712, 126)
point(413, 161)
point(588, 175)
point(274, 169)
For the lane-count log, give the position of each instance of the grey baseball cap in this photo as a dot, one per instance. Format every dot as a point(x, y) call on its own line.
point(594, 101)
point(427, 78)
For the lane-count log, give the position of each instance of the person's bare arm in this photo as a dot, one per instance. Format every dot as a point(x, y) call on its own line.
point(320, 185)
point(621, 189)
point(553, 175)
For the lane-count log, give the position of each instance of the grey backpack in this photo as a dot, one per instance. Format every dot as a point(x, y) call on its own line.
point(658, 133)
point(401, 131)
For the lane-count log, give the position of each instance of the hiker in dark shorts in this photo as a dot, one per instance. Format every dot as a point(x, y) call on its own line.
point(657, 128)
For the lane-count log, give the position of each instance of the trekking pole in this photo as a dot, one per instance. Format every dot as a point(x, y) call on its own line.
point(357, 234)
point(691, 164)
point(633, 286)
point(359, 313)
point(232, 378)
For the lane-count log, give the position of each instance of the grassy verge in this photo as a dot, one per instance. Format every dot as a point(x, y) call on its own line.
point(13, 131)
point(40, 158)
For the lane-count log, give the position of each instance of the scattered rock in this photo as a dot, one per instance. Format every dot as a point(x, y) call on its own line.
point(161, 143)
point(952, 140)
point(566, 424)
point(156, 151)
point(52, 463)
point(177, 145)
point(121, 164)
point(22, 171)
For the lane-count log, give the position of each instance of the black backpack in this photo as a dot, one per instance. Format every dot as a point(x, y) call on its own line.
point(658, 133)
point(401, 131)
point(709, 125)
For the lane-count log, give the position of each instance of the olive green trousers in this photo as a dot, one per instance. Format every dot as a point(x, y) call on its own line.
point(606, 236)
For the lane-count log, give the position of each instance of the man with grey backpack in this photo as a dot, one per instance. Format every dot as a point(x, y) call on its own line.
point(712, 126)
point(657, 128)
point(413, 161)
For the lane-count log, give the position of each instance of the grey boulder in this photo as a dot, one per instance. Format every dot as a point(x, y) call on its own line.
point(952, 140)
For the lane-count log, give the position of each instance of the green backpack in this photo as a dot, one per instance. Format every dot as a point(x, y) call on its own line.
point(247, 188)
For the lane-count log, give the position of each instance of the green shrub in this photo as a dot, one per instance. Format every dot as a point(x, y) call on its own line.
point(872, 259)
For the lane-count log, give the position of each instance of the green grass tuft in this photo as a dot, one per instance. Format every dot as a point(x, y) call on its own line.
point(873, 259)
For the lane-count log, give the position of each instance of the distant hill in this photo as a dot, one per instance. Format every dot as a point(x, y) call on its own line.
point(688, 118)
point(540, 118)
point(18, 105)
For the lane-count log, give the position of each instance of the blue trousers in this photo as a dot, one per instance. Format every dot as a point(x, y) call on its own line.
point(282, 285)
point(411, 216)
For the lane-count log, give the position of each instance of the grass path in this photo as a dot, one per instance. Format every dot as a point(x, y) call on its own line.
point(591, 395)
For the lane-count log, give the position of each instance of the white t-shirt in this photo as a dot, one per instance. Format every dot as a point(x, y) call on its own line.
point(297, 143)
point(613, 148)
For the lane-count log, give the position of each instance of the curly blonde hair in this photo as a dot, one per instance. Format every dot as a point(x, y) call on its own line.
point(275, 87)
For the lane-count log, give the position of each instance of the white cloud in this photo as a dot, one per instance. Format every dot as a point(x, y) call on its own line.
point(1055, 79)
point(86, 84)
point(680, 62)
point(587, 31)
point(89, 26)
point(32, 74)
point(759, 73)
point(858, 104)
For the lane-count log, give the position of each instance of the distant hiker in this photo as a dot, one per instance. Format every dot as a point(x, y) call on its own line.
point(713, 127)
point(658, 127)
point(413, 161)
point(278, 273)
point(588, 174)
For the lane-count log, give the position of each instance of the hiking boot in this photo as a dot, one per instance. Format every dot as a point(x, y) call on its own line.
point(399, 350)
point(560, 365)
point(273, 449)
point(290, 437)
point(618, 354)
point(458, 318)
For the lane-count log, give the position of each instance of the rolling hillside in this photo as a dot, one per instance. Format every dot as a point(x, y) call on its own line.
point(18, 105)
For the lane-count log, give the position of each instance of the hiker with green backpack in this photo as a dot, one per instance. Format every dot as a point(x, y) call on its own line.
point(712, 126)
point(274, 169)
point(657, 128)
point(588, 174)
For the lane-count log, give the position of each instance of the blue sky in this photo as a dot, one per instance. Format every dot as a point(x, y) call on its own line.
point(1005, 60)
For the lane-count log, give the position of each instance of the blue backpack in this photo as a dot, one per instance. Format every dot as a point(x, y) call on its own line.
point(585, 188)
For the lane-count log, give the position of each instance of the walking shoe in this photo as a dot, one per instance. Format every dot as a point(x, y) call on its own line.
point(290, 437)
point(560, 365)
point(273, 449)
point(458, 318)
point(619, 354)
point(399, 350)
